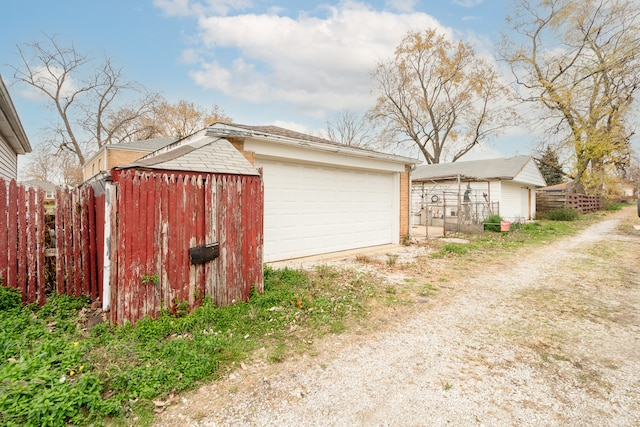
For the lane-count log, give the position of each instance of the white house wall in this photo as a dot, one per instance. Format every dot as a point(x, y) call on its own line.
point(8, 162)
point(516, 202)
point(318, 201)
point(530, 176)
point(302, 154)
point(313, 209)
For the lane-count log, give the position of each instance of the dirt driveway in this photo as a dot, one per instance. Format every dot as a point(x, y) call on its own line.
point(549, 336)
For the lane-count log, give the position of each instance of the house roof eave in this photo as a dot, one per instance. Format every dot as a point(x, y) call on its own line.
point(11, 128)
point(241, 131)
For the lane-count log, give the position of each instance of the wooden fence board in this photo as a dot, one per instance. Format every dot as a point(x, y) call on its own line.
point(76, 237)
point(4, 212)
point(59, 240)
point(21, 279)
point(31, 275)
point(99, 243)
point(41, 277)
point(91, 245)
point(67, 245)
point(12, 235)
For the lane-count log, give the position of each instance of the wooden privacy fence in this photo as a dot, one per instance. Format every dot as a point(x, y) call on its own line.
point(22, 235)
point(27, 246)
point(162, 218)
point(171, 240)
point(78, 223)
point(548, 201)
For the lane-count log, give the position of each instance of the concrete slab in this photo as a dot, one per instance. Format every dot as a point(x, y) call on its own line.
point(336, 256)
point(421, 232)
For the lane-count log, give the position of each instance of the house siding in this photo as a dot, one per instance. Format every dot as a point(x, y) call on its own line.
point(530, 175)
point(8, 162)
point(511, 201)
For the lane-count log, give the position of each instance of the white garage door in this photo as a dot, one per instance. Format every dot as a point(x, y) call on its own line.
point(311, 210)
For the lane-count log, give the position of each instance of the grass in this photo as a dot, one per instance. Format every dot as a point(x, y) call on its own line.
point(521, 235)
point(53, 372)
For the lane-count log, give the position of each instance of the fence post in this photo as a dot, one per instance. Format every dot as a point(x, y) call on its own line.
point(105, 245)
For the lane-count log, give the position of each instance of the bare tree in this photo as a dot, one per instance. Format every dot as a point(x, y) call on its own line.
point(165, 119)
point(578, 60)
point(441, 95)
point(82, 94)
point(47, 163)
point(349, 128)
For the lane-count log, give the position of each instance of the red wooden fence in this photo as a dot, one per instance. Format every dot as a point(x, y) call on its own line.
point(157, 217)
point(76, 243)
point(27, 243)
point(160, 216)
point(22, 231)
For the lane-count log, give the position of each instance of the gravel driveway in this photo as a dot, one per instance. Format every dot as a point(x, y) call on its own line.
point(548, 336)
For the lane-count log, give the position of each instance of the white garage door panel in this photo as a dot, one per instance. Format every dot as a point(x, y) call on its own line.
point(311, 210)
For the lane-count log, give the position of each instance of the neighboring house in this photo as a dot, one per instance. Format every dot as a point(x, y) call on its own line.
point(49, 189)
point(506, 186)
point(13, 139)
point(320, 196)
point(112, 155)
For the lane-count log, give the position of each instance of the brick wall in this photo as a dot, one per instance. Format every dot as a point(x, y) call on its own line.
point(238, 143)
point(115, 158)
point(92, 168)
point(118, 157)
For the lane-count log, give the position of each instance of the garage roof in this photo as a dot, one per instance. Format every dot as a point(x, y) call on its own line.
point(276, 134)
point(477, 170)
point(197, 153)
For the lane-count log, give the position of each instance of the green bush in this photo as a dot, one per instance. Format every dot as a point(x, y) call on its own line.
point(562, 214)
point(9, 298)
point(492, 223)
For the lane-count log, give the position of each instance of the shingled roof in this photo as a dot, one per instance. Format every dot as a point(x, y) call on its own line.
point(148, 145)
point(286, 136)
point(479, 170)
point(197, 153)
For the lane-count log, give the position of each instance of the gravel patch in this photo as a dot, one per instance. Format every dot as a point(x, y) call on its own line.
point(549, 338)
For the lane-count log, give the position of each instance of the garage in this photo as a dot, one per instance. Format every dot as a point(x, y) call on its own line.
point(321, 196)
point(311, 209)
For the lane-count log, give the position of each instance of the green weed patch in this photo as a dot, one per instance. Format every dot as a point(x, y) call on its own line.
point(54, 372)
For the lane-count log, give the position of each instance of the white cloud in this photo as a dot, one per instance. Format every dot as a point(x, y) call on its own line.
point(312, 62)
point(402, 5)
point(198, 8)
point(47, 79)
point(467, 3)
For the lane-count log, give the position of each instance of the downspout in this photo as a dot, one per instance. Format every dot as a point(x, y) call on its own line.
point(459, 206)
point(409, 196)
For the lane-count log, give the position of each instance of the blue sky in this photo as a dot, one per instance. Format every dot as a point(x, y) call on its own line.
point(290, 63)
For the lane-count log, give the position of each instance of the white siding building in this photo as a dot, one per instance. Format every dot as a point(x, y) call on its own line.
point(504, 186)
point(321, 196)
